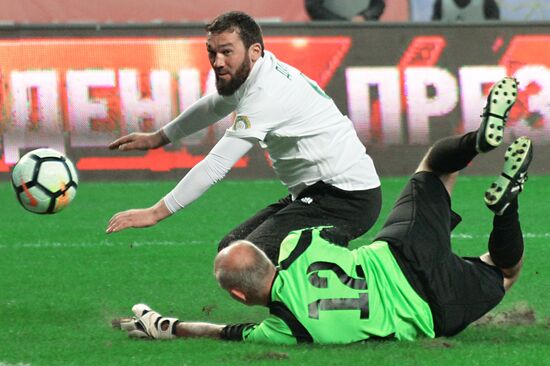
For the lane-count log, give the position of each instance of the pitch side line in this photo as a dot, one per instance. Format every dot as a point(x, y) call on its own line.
point(54, 245)
point(525, 236)
point(105, 243)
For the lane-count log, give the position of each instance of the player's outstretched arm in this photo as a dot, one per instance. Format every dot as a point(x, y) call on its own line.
point(198, 330)
point(142, 217)
point(204, 112)
point(213, 168)
point(140, 141)
point(149, 324)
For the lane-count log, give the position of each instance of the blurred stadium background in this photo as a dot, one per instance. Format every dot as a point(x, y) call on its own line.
point(74, 75)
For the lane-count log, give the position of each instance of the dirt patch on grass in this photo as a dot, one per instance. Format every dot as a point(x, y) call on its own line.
point(438, 343)
point(208, 309)
point(521, 314)
point(269, 356)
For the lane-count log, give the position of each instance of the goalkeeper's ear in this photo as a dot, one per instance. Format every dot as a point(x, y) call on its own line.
point(238, 295)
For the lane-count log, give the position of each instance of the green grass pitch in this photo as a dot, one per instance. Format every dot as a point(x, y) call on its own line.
point(62, 280)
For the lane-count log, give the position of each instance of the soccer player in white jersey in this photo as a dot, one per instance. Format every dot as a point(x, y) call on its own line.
point(314, 148)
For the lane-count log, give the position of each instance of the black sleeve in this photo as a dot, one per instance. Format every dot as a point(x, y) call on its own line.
point(336, 236)
point(317, 11)
point(437, 10)
point(234, 332)
point(491, 10)
point(375, 10)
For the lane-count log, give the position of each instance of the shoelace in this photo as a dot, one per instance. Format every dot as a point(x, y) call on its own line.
point(520, 181)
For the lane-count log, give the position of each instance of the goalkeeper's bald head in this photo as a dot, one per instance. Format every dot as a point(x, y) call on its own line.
point(243, 270)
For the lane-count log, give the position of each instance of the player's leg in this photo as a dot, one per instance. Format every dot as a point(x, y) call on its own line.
point(461, 290)
point(418, 229)
point(244, 229)
point(351, 213)
point(506, 239)
point(452, 154)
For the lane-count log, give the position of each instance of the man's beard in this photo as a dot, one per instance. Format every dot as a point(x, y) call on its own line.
point(228, 87)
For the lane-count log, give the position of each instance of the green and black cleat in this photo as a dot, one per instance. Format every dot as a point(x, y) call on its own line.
point(514, 174)
point(501, 98)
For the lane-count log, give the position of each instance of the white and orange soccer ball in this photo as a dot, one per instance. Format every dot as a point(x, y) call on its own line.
point(45, 181)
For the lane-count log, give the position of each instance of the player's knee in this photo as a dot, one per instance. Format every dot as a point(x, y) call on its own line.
point(424, 165)
point(511, 275)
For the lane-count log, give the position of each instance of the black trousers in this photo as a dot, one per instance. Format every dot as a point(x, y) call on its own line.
point(458, 289)
point(352, 213)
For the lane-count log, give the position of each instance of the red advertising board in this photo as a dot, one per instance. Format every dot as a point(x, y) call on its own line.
point(96, 89)
point(403, 87)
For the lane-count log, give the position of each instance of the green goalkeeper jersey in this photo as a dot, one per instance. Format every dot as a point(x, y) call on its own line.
point(324, 293)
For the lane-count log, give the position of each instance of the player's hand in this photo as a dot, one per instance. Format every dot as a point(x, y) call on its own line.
point(142, 217)
point(140, 141)
point(147, 323)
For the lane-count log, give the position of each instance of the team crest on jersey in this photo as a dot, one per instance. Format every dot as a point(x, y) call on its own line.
point(241, 123)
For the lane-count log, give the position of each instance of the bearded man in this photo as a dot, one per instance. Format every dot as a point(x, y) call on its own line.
point(313, 147)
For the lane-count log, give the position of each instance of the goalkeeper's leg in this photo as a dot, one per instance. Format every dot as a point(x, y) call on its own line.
point(450, 155)
point(506, 239)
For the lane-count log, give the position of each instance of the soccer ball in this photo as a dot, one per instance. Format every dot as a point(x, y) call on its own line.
point(45, 181)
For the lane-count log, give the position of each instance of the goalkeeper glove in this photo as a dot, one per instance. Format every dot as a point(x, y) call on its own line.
point(147, 324)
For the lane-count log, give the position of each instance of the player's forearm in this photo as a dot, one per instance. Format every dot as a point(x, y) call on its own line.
point(161, 137)
point(209, 171)
point(190, 188)
point(198, 329)
point(160, 211)
point(204, 112)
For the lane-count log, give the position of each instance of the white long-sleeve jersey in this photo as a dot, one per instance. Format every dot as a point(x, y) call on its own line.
point(308, 139)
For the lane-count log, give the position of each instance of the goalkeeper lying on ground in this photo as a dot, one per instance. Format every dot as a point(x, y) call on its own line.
point(406, 284)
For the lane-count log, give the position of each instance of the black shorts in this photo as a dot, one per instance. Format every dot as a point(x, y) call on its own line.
point(351, 212)
point(459, 290)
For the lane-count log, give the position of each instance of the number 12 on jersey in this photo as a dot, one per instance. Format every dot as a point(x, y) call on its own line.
point(360, 303)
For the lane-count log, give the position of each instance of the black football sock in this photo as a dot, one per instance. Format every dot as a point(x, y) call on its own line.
point(452, 154)
point(506, 240)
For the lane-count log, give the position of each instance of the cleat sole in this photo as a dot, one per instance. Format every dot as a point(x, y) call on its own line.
point(500, 100)
point(514, 173)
